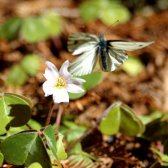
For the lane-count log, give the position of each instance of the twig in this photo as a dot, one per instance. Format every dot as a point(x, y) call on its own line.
point(49, 114)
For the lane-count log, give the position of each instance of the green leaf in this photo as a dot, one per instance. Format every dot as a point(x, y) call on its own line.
point(89, 10)
point(157, 129)
point(1, 159)
point(39, 28)
point(130, 123)
point(33, 30)
point(146, 119)
point(14, 110)
point(31, 64)
point(52, 22)
point(10, 29)
point(74, 96)
point(111, 123)
point(62, 155)
point(4, 113)
point(35, 165)
point(89, 84)
point(92, 80)
point(25, 149)
point(50, 136)
point(72, 131)
point(76, 149)
point(120, 117)
point(133, 66)
point(113, 12)
point(107, 11)
point(17, 76)
point(34, 124)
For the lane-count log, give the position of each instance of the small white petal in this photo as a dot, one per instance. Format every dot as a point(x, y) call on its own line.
point(72, 88)
point(48, 88)
point(63, 72)
point(60, 96)
point(77, 81)
point(51, 72)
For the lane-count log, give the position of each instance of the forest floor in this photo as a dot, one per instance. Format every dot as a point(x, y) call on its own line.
point(143, 93)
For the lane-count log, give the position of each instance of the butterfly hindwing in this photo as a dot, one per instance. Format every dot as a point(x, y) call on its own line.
point(117, 58)
point(113, 59)
point(85, 63)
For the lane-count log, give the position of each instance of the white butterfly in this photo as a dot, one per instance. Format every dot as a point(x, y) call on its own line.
point(92, 48)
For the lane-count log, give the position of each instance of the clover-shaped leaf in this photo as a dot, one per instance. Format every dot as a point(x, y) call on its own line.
point(10, 29)
point(15, 72)
point(120, 118)
point(37, 28)
point(15, 110)
point(24, 149)
point(107, 11)
point(31, 64)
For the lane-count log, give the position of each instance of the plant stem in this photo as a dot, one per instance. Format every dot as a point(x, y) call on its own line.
point(49, 114)
point(58, 118)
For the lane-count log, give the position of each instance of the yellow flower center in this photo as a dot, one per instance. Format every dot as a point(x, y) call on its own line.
point(60, 83)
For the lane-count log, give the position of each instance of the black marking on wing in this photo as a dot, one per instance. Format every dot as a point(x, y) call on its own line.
point(77, 39)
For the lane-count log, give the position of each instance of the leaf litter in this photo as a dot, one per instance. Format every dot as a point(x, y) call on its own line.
point(144, 92)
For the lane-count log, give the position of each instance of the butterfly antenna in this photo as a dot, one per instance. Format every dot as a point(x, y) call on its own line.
point(109, 27)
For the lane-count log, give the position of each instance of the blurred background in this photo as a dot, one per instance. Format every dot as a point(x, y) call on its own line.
point(33, 31)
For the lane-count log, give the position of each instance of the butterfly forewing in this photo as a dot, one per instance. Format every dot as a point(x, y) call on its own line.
point(75, 40)
point(128, 45)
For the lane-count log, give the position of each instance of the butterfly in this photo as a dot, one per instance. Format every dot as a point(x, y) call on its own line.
point(91, 49)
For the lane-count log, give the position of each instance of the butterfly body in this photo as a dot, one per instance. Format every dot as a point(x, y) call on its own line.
point(91, 48)
point(102, 50)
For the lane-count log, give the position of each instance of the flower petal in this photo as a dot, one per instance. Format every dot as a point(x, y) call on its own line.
point(51, 72)
point(61, 96)
point(72, 88)
point(48, 88)
point(64, 70)
point(77, 81)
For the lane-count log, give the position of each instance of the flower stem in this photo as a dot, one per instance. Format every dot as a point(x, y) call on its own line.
point(58, 118)
point(49, 114)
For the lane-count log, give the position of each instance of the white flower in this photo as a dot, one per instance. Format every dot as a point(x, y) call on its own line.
point(60, 83)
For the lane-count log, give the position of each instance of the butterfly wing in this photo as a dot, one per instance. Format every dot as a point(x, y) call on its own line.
point(116, 55)
point(85, 63)
point(84, 45)
point(77, 40)
point(128, 45)
point(114, 58)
